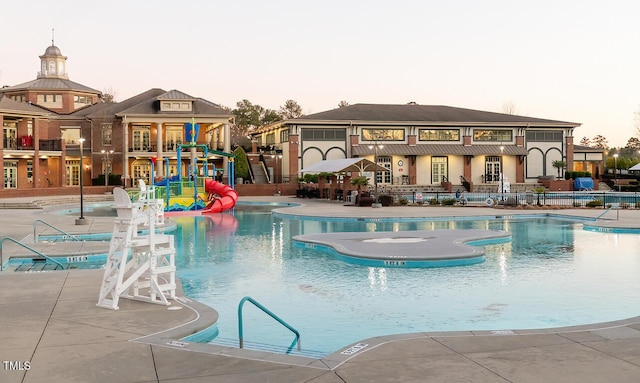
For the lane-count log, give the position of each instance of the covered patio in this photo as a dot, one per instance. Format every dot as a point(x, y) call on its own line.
point(339, 183)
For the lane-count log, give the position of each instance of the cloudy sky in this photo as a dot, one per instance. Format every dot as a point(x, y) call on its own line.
point(568, 60)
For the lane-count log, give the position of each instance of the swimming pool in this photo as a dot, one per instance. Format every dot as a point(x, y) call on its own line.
point(552, 274)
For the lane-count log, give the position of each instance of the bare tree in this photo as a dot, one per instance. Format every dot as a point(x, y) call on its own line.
point(342, 104)
point(109, 95)
point(508, 107)
point(585, 141)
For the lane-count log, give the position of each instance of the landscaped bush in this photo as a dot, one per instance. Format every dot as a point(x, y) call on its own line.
point(385, 200)
point(449, 201)
point(594, 203)
point(433, 201)
point(403, 201)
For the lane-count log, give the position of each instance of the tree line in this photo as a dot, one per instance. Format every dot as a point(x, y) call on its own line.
point(249, 117)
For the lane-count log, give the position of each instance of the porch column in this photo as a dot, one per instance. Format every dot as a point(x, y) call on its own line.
point(35, 183)
point(159, 168)
point(520, 160)
point(569, 154)
point(125, 153)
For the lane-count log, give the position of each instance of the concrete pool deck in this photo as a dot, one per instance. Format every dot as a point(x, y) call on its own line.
point(50, 320)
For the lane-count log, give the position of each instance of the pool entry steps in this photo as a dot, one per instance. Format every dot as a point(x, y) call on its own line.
point(423, 248)
point(140, 267)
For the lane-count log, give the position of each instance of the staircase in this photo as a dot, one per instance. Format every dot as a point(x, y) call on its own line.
point(259, 173)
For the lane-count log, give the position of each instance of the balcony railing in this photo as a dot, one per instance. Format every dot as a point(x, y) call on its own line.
point(51, 145)
point(28, 143)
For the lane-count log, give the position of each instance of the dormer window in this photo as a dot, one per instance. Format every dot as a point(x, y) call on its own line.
point(176, 106)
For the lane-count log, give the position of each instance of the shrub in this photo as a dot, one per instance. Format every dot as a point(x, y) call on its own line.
point(433, 201)
point(385, 200)
point(449, 201)
point(594, 203)
point(403, 201)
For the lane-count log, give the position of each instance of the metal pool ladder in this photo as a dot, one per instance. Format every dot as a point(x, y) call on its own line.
point(64, 233)
point(268, 312)
point(28, 248)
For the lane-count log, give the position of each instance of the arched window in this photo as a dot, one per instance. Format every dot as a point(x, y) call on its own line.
point(52, 67)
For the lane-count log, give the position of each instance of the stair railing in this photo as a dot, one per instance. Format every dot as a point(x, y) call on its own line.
point(66, 235)
point(28, 248)
point(268, 312)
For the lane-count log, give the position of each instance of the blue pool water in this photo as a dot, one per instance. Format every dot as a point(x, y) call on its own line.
point(553, 273)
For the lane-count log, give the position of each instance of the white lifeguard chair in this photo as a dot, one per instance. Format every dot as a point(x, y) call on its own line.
point(139, 267)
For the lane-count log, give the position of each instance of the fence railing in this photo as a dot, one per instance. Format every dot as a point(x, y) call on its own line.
point(605, 200)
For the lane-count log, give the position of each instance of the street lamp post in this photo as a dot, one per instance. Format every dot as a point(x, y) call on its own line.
point(107, 165)
point(81, 220)
point(615, 169)
point(375, 172)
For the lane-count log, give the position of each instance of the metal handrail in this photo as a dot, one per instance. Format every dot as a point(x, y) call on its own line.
point(605, 212)
point(268, 312)
point(28, 248)
point(35, 237)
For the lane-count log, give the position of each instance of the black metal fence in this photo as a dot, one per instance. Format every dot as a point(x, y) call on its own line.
point(597, 199)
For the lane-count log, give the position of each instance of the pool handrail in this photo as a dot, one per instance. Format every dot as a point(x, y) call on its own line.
point(605, 212)
point(28, 248)
point(268, 312)
point(67, 235)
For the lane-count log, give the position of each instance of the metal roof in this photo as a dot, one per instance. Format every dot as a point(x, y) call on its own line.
point(421, 114)
point(50, 84)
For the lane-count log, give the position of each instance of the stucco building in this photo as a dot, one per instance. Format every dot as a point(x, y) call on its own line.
point(426, 144)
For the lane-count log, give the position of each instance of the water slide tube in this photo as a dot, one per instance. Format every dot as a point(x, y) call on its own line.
point(227, 200)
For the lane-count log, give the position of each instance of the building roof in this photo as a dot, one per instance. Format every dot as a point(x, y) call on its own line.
point(50, 84)
point(148, 106)
point(589, 149)
point(439, 150)
point(421, 114)
point(9, 106)
point(52, 50)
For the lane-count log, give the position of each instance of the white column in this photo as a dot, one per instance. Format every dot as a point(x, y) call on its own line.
point(159, 141)
point(125, 151)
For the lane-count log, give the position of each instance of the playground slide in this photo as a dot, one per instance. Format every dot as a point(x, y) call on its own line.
point(227, 200)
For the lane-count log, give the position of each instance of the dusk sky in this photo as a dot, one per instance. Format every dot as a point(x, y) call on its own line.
point(575, 61)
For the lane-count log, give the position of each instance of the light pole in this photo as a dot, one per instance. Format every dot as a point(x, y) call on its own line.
point(615, 169)
point(81, 220)
point(107, 165)
point(375, 171)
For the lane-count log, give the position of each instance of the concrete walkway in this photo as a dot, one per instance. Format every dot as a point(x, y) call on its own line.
point(51, 330)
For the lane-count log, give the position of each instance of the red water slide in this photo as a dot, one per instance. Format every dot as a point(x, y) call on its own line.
point(227, 200)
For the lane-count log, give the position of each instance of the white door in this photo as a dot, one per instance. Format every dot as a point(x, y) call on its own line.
point(10, 174)
point(72, 169)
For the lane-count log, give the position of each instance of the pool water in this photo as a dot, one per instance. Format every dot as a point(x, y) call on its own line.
point(553, 273)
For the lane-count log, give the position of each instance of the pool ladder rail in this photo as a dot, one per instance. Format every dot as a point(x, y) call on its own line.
point(296, 341)
point(41, 260)
point(66, 236)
